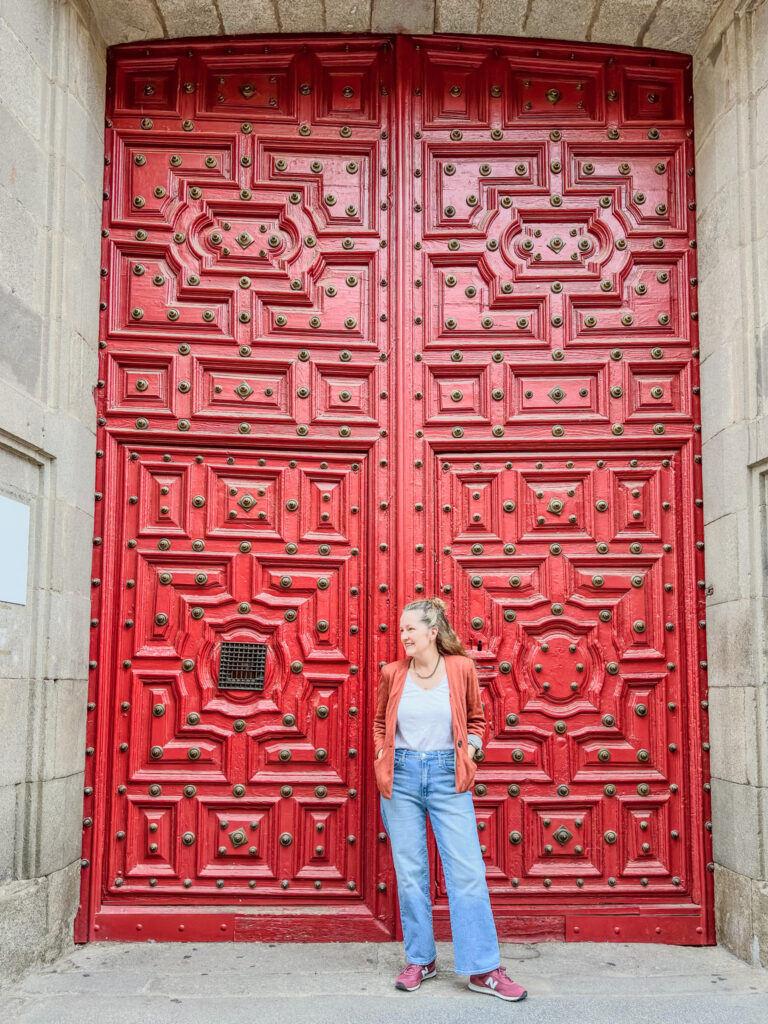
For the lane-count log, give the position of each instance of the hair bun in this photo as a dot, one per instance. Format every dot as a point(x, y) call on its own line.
point(437, 602)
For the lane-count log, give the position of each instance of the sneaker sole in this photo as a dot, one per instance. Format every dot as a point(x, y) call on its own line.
point(490, 992)
point(404, 988)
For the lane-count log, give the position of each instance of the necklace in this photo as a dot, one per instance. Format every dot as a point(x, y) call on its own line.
point(413, 668)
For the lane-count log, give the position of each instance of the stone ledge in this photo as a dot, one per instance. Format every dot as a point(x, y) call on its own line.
point(741, 915)
point(36, 918)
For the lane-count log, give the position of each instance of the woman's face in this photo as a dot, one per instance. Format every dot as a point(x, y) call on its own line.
point(417, 639)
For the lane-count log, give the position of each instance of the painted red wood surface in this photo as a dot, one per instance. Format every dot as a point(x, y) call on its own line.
point(385, 317)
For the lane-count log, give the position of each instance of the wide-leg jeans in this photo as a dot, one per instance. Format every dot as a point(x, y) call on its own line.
point(425, 783)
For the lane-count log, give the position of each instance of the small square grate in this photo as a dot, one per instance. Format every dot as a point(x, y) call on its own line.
point(242, 666)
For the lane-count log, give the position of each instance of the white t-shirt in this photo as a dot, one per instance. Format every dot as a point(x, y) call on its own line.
point(424, 719)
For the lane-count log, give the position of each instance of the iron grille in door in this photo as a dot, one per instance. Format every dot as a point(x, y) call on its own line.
point(242, 666)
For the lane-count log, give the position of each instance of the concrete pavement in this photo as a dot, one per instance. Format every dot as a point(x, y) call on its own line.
point(352, 983)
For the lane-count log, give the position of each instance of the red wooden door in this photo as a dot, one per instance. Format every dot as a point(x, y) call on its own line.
point(382, 318)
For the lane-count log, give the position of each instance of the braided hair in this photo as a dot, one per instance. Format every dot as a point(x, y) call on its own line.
point(432, 613)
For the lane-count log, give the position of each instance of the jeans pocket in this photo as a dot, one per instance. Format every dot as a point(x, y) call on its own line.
point(449, 764)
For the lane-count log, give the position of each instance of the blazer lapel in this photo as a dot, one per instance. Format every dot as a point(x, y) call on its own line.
point(451, 668)
point(395, 691)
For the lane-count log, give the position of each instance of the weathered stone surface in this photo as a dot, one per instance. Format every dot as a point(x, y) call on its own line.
point(621, 21)
point(36, 920)
point(15, 707)
point(63, 731)
point(189, 17)
point(22, 918)
point(84, 75)
point(56, 846)
point(670, 24)
point(457, 16)
point(22, 167)
point(61, 907)
point(348, 15)
point(120, 22)
point(733, 734)
point(714, 84)
point(32, 25)
point(758, 29)
point(760, 143)
point(256, 16)
point(721, 379)
point(762, 800)
point(66, 634)
point(733, 911)
point(306, 16)
point(730, 657)
point(502, 17)
point(728, 535)
point(679, 24)
point(718, 232)
point(725, 480)
point(759, 915)
point(72, 544)
point(75, 446)
point(21, 255)
point(735, 810)
point(7, 834)
point(717, 159)
point(552, 19)
point(21, 82)
point(77, 383)
point(415, 16)
point(84, 144)
point(76, 288)
point(22, 366)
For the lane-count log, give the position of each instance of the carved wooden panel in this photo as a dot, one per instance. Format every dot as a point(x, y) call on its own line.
point(552, 399)
point(381, 318)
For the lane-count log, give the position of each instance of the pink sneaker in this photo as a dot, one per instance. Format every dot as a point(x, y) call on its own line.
point(412, 976)
point(496, 983)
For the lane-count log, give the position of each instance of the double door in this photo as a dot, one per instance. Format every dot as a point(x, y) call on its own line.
point(386, 317)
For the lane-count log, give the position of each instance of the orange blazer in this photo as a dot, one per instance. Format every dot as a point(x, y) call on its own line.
point(466, 711)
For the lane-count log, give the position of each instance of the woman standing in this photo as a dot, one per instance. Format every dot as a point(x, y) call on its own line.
point(429, 723)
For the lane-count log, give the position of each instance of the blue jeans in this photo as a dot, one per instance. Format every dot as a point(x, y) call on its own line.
point(425, 781)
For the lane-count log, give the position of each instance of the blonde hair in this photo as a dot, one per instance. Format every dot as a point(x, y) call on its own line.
point(432, 613)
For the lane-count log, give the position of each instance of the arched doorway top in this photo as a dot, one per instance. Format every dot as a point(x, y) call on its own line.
point(666, 24)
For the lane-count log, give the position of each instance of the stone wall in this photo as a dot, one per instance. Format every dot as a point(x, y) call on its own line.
point(52, 70)
point(731, 118)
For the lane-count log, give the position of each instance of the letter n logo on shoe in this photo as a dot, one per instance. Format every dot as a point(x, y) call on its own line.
point(491, 982)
